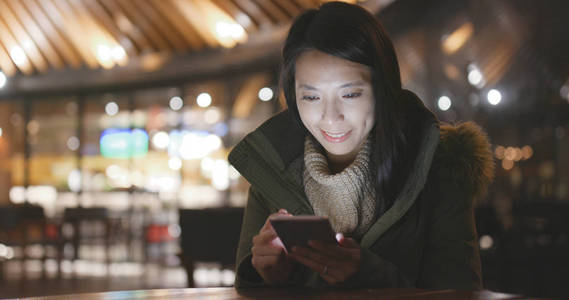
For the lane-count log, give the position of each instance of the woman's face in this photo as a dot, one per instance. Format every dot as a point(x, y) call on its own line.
point(335, 100)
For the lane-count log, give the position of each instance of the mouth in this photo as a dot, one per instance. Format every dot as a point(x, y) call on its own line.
point(335, 137)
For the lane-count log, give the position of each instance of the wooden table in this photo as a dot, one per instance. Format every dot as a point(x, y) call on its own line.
point(282, 293)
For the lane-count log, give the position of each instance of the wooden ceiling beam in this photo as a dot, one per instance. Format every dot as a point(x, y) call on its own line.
point(59, 41)
point(290, 7)
point(23, 39)
point(254, 12)
point(193, 13)
point(133, 12)
point(162, 26)
point(62, 16)
point(10, 44)
point(273, 11)
point(126, 25)
point(179, 22)
point(6, 64)
point(307, 4)
point(180, 70)
point(238, 15)
point(35, 32)
point(101, 16)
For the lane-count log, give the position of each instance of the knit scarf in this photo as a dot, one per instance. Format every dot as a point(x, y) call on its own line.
point(346, 198)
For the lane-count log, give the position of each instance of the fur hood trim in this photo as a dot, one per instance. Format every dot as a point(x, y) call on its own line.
point(465, 156)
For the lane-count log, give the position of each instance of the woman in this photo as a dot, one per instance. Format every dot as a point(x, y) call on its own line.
point(355, 147)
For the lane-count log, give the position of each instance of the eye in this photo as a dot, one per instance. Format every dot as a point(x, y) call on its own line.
point(309, 98)
point(352, 95)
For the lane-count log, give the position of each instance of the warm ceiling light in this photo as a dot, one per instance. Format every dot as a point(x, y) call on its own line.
point(152, 61)
point(229, 30)
point(3, 79)
point(18, 55)
point(458, 38)
point(28, 44)
point(104, 53)
point(118, 53)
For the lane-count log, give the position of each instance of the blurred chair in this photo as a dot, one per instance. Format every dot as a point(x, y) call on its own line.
point(20, 227)
point(82, 226)
point(209, 235)
point(157, 238)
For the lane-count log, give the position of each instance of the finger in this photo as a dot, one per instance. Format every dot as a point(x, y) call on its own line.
point(317, 267)
point(264, 262)
point(277, 242)
point(264, 237)
point(313, 265)
point(266, 250)
point(281, 212)
point(349, 243)
point(312, 255)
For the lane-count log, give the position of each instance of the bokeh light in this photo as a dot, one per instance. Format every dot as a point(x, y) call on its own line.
point(266, 94)
point(204, 100)
point(176, 103)
point(494, 97)
point(444, 103)
point(112, 108)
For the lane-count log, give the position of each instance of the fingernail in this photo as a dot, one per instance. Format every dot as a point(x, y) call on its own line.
point(283, 211)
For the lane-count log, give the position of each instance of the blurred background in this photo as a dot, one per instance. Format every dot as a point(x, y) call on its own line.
point(116, 118)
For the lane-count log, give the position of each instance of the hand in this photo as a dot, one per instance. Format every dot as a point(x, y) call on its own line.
point(334, 263)
point(269, 255)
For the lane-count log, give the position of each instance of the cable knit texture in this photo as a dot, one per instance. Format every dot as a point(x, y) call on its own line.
point(346, 198)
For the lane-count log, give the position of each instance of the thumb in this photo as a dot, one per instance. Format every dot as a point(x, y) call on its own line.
point(348, 242)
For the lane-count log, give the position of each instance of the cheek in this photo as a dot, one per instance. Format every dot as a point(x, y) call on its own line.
point(307, 114)
point(303, 111)
point(368, 116)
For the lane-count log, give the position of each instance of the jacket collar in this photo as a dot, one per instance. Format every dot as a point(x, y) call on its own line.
point(264, 155)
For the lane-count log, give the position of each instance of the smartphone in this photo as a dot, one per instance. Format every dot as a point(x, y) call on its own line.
point(298, 230)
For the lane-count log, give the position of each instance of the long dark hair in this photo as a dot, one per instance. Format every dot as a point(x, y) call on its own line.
point(350, 32)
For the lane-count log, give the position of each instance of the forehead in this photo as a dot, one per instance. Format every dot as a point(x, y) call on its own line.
point(314, 65)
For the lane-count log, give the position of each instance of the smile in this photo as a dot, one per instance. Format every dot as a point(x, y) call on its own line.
point(335, 137)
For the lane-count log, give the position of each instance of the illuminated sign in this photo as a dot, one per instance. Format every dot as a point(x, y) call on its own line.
point(124, 143)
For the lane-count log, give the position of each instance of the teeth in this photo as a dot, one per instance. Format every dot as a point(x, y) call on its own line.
point(336, 135)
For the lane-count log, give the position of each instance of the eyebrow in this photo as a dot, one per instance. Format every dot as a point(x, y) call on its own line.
point(349, 84)
point(354, 83)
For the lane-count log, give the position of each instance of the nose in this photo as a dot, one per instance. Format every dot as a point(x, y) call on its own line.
point(332, 112)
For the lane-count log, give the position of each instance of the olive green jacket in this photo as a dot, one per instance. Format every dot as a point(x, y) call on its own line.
point(426, 239)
